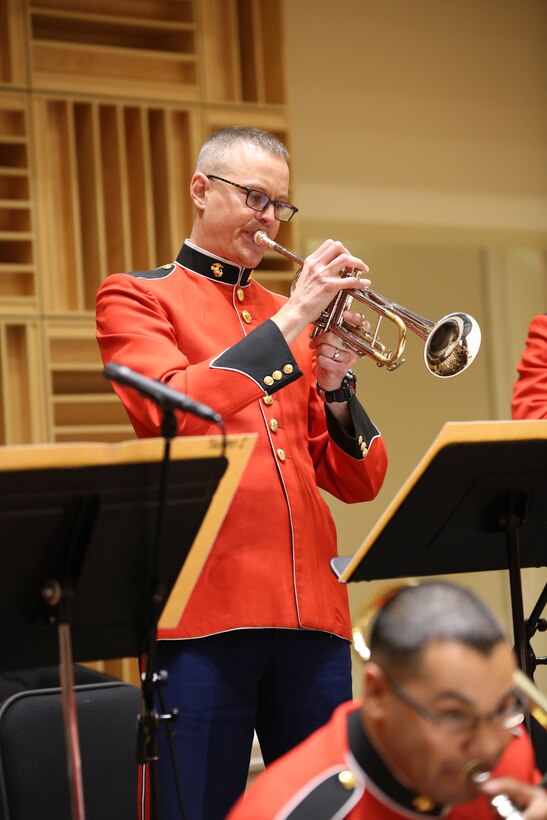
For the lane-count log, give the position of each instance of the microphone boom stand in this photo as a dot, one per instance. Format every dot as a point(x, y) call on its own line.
point(149, 718)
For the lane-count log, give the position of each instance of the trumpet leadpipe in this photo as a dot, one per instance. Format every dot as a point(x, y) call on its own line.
point(262, 238)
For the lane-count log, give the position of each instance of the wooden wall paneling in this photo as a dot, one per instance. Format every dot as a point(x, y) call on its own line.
point(242, 51)
point(21, 369)
point(183, 136)
point(261, 52)
point(83, 405)
point(126, 669)
point(250, 49)
point(220, 68)
point(272, 53)
point(107, 197)
point(157, 170)
point(137, 193)
point(269, 118)
point(13, 43)
point(17, 238)
point(148, 203)
point(129, 49)
point(115, 205)
point(90, 195)
point(175, 136)
point(58, 206)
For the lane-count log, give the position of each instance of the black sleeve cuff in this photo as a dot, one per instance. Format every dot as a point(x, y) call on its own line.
point(356, 446)
point(264, 356)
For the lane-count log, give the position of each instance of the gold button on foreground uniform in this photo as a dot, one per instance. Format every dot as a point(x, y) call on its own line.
point(422, 803)
point(281, 455)
point(288, 368)
point(247, 317)
point(268, 380)
point(240, 294)
point(278, 375)
point(347, 779)
point(268, 399)
point(274, 425)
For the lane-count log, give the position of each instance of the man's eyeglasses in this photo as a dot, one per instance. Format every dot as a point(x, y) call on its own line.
point(259, 201)
point(459, 721)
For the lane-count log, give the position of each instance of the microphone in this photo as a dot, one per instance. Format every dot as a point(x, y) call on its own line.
point(165, 397)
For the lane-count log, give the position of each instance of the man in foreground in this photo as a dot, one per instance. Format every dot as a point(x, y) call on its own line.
point(439, 706)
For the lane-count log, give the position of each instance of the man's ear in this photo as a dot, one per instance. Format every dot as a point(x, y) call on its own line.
point(375, 691)
point(199, 187)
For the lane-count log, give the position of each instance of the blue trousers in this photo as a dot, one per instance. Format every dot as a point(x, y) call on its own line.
point(283, 683)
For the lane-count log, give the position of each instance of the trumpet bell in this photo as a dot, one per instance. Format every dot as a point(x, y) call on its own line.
point(451, 345)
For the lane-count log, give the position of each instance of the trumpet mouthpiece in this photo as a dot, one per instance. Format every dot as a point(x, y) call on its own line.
point(475, 773)
point(261, 238)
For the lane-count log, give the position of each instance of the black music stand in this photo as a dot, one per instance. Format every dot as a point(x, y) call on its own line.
point(477, 501)
point(77, 526)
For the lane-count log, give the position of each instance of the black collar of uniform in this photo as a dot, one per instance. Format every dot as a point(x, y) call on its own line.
point(213, 267)
point(376, 770)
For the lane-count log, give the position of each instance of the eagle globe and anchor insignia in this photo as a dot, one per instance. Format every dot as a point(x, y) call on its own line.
point(217, 269)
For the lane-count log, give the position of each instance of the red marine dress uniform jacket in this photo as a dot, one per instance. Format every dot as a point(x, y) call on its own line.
point(530, 390)
point(201, 325)
point(336, 773)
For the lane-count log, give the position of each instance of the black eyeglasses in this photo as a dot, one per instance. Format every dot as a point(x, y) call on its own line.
point(259, 201)
point(459, 721)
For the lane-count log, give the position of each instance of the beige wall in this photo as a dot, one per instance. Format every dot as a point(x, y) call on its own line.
point(418, 137)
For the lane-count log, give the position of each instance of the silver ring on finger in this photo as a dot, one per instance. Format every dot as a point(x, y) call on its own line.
point(336, 354)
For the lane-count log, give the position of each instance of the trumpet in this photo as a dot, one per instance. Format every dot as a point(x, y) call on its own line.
point(451, 344)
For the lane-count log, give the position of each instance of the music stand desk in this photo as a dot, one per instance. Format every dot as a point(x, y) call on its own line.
point(445, 517)
point(40, 486)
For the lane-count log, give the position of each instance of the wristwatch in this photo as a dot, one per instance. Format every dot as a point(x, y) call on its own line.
point(345, 392)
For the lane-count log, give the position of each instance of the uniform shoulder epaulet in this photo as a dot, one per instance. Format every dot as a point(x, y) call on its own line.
point(327, 799)
point(156, 273)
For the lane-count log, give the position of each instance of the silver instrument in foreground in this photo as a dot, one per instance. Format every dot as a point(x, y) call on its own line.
point(501, 803)
point(451, 344)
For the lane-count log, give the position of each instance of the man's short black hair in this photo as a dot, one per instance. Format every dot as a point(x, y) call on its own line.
point(416, 616)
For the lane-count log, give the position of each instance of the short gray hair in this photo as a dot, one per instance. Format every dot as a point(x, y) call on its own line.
point(215, 150)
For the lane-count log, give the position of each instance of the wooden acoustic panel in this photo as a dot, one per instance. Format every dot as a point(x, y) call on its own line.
point(113, 192)
point(17, 236)
point(144, 48)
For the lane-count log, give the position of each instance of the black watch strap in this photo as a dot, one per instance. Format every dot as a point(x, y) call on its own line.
point(345, 392)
